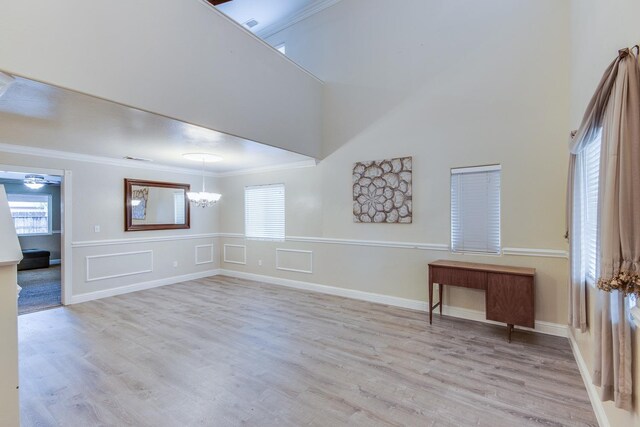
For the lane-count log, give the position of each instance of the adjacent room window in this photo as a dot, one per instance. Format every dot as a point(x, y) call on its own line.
point(31, 213)
point(264, 211)
point(475, 209)
point(179, 216)
point(282, 48)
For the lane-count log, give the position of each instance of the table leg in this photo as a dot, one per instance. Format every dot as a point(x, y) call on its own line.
point(509, 330)
point(440, 288)
point(430, 300)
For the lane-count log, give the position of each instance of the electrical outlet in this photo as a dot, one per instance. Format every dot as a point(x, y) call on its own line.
point(96, 228)
point(175, 264)
point(260, 262)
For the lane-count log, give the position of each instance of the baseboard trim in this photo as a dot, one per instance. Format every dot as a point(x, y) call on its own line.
point(90, 296)
point(547, 328)
point(592, 391)
point(55, 262)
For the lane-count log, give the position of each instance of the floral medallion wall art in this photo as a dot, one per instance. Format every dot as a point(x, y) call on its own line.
point(382, 191)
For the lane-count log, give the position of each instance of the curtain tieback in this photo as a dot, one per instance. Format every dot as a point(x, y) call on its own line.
point(625, 281)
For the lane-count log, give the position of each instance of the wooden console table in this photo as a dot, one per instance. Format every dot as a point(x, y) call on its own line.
point(509, 296)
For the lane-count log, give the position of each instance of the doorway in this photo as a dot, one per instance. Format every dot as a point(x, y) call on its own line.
point(35, 201)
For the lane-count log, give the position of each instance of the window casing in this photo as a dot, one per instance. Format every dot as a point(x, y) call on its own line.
point(31, 213)
point(475, 209)
point(264, 215)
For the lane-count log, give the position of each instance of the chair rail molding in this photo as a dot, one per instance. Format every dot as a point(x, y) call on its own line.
point(133, 240)
point(440, 247)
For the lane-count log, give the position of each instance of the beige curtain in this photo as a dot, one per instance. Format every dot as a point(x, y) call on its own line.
point(615, 108)
point(588, 132)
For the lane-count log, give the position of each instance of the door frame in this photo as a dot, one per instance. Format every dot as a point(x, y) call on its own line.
point(66, 257)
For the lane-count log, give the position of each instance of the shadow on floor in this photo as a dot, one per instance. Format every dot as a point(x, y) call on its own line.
point(40, 289)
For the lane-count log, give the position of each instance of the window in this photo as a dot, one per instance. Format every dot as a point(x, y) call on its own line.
point(282, 48)
point(634, 303)
point(179, 207)
point(31, 213)
point(264, 211)
point(475, 209)
point(588, 165)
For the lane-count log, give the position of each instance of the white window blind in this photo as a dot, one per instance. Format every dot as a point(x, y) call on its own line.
point(179, 214)
point(475, 209)
point(31, 213)
point(264, 211)
point(589, 160)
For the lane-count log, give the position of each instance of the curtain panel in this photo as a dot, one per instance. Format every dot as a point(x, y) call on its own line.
point(613, 113)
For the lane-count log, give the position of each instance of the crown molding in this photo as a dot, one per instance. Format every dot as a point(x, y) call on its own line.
point(306, 12)
point(90, 158)
point(78, 157)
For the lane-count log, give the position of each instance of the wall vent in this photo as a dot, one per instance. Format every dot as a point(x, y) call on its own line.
point(137, 159)
point(250, 23)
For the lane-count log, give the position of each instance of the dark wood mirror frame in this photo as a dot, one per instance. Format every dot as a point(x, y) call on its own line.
point(128, 207)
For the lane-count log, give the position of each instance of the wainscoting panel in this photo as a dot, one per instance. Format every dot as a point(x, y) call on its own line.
point(235, 254)
point(109, 266)
point(294, 260)
point(204, 254)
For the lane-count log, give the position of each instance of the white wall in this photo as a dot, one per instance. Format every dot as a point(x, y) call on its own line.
point(599, 29)
point(184, 60)
point(451, 83)
point(98, 199)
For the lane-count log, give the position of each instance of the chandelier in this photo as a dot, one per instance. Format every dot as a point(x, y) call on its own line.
point(202, 199)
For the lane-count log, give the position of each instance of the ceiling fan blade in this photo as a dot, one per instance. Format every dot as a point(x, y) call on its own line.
point(218, 2)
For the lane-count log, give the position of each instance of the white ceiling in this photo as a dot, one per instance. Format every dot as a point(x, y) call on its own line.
point(267, 13)
point(38, 115)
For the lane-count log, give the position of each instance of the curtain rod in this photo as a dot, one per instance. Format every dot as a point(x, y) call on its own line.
point(624, 52)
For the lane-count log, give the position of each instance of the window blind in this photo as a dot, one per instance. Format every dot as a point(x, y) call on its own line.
point(264, 211)
point(475, 209)
point(590, 158)
point(179, 214)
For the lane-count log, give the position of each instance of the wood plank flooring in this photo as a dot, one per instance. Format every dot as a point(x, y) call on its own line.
point(228, 352)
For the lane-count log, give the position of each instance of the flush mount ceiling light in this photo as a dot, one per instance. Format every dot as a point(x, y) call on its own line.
point(35, 182)
point(202, 157)
point(5, 81)
point(203, 199)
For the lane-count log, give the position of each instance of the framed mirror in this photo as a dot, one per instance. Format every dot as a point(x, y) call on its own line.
point(153, 205)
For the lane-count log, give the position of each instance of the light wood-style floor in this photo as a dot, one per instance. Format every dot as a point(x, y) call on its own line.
point(227, 352)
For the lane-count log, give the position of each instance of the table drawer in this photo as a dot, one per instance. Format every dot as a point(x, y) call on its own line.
point(458, 277)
